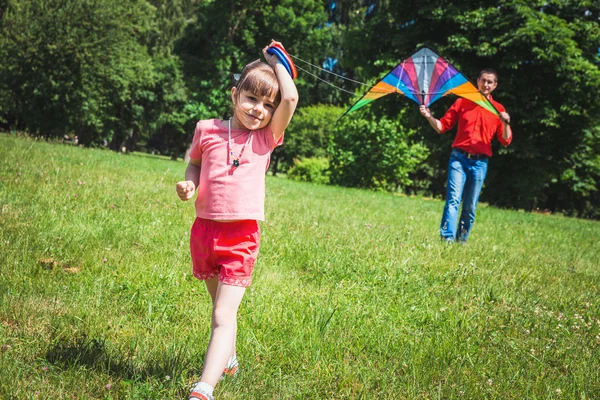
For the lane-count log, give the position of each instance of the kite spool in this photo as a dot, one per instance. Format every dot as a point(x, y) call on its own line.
point(277, 50)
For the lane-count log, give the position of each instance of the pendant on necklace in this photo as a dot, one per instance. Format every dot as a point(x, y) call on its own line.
point(236, 160)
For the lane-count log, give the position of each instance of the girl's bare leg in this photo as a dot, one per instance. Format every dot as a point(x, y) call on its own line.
point(226, 302)
point(211, 287)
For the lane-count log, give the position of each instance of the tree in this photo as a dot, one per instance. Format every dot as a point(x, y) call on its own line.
point(92, 69)
point(227, 35)
point(72, 65)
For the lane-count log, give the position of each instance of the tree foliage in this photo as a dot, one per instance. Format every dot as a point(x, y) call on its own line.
point(229, 34)
point(86, 68)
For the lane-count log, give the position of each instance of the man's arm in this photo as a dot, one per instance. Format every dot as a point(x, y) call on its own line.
point(506, 129)
point(435, 123)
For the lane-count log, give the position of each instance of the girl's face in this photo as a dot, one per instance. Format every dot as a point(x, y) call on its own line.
point(250, 110)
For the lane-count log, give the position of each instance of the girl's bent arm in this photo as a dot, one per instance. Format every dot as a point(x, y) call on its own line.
point(289, 97)
point(187, 188)
point(192, 172)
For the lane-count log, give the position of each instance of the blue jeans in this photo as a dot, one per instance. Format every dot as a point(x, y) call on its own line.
point(465, 179)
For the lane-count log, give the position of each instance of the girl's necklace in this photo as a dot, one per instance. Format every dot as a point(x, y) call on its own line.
point(236, 160)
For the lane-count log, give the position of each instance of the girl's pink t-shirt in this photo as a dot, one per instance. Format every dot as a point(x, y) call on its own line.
point(226, 192)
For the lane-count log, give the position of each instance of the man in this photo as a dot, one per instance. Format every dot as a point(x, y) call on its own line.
point(470, 152)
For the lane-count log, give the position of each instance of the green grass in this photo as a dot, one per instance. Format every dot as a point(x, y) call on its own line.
point(353, 297)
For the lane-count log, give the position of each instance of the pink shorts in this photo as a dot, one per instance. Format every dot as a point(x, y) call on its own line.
point(226, 249)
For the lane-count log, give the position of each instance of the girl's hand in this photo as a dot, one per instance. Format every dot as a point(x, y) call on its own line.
point(271, 59)
point(186, 190)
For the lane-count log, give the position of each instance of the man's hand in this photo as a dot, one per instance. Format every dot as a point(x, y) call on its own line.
point(504, 117)
point(425, 111)
point(186, 190)
point(435, 124)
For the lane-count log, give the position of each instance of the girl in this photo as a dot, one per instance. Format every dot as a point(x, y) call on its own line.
point(228, 162)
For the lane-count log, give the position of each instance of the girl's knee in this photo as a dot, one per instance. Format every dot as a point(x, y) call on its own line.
point(223, 316)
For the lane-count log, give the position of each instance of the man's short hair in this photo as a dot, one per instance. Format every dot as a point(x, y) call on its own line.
point(489, 71)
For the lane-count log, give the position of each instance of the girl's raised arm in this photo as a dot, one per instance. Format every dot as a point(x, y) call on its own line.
point(289, 96)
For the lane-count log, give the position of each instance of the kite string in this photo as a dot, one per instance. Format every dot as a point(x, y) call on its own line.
point(329, 72)
point(323, 80)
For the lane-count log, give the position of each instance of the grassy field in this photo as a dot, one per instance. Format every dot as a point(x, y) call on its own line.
point(354, 297)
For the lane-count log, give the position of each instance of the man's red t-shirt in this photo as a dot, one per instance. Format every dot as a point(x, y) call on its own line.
point(476, 126)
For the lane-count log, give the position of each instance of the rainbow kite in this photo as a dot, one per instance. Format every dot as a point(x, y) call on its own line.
point(424, 78)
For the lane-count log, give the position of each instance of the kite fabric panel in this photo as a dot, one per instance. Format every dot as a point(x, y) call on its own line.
point(424, 78)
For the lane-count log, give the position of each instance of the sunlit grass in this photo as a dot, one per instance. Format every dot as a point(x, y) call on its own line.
point(353, 295)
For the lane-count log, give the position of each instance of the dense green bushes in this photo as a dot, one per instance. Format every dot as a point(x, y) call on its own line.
point(307, 136)
point(315, 170)
point(372, 152)
point(362, 150)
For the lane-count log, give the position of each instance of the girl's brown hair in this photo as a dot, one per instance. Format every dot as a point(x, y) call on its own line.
point(259, 78)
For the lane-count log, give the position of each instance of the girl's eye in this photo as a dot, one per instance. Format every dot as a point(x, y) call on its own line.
point(252, 98)
point(270, 106)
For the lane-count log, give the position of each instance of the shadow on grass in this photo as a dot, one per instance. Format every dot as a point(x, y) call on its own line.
point(95, 353)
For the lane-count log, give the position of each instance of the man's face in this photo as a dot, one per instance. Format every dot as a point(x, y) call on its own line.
point(487, 83)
